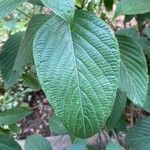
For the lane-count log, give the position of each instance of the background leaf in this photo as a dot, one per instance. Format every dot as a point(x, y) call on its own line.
point(114, 146)
point(6, 6)
point(78, 70)
point(31, 81)
point(14, 115)
point(133, 72)
point(8, 143)
point(63, 8)
point(138, 136)
point(8, 56)
point(118, 108)
point(132, 7)
point(37, 142)
point(56, 126)
point(25, 52)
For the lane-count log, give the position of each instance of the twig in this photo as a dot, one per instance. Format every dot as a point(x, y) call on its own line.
point(23, 13)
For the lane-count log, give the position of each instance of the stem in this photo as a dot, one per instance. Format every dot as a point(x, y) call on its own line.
point(23, 13)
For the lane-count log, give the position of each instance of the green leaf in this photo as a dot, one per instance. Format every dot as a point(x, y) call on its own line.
point(80, 3)
point(14, 128)
point(133, 72)
point(14, 115)
point(138, 136)
point(6, 6)
point(147, 31)
point(114, 146)
point(8, 56)
point(118, 108)
point(37, 142)
point(146, 106)
point(56, 126)
point(109, 4)
point(132, 7)
point(78, 146)
point(134, 34)
point(36, 2)
point(31, 81)
point(121, 124)
point(78, 68)
point(63, 8)
point(25, 52)
point(8, 143)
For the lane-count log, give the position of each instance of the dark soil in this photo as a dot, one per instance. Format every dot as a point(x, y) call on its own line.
point(37, 122)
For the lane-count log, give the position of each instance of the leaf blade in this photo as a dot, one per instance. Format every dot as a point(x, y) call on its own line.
point(6, 6)
point(63, 8)
point(75, 87)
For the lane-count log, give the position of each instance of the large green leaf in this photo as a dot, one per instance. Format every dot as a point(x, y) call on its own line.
point(78, 68)
point(14, 115)
point(132, 7)
point(37, 142)
point(117, 110)
point(63, 8)
point(8, 56)
point(6, 6)
point(133, 72)
point(25, 52)
point(8, 143)
point(138, 136)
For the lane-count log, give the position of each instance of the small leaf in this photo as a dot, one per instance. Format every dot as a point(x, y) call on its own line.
point(37, 142)
point(7, 59)
point(56, 126)
point(132, 7)
point(25, 52)
point(63, 8)
point(138, 136)
point(14, 128)
point(14, 115)
point(31, 81)
point(78, 69)
point(117, 110)
point(133, 72)
point(6, 6)
point(8, 143)
point(114, 146)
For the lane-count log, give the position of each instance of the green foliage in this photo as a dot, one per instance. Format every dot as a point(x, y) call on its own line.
point(138, 136)
point(37, 142)
point(90, 65)
point(14, 115)
point(6, 6)
point(8, 143)
point(78, 64)
point(132, 7)
point(8, 56)
point(118, 108)
point(56, 126)
point(114, 146)
point(63, 8)
point(133, 71)
point(31, 81)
